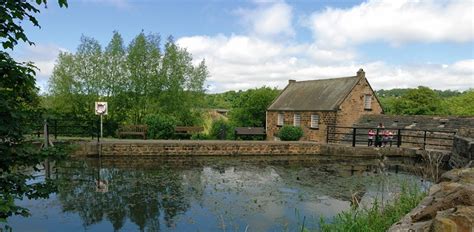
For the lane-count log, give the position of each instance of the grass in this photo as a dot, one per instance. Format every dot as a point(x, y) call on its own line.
point(376, 218)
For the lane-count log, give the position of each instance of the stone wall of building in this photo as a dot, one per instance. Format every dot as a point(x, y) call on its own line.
point(309, 134)
point(352, 108)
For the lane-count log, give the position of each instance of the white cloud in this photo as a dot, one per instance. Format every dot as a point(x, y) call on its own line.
point(395, 22)
point(44, 58)
point(437, 76)
point(269, 19)
point(241, 62)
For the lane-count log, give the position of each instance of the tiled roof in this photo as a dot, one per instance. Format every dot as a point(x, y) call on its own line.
point(314, 95)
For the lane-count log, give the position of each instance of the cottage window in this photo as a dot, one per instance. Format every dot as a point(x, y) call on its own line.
point(368, 102)
point(280, 119)
point(297, 120)
point(314, 121)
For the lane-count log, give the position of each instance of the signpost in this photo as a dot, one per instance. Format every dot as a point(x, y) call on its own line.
point(101, 109)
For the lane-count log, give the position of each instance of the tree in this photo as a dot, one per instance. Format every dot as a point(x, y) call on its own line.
point(18, 106)
point(116, 78)
point(138, 81)
point(462, 105)
point(249, 109)
point(420, 101)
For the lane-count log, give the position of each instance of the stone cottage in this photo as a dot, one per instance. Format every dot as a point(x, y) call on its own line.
point(315, 104)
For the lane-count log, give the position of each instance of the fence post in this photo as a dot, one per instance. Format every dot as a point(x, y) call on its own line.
point(98, 130)
point(424, 140)
point(354, 136)
point(399, 137)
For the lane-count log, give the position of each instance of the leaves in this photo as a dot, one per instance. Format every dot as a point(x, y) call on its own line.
point(13, 12)
point(18, 107)
point(425, 101)
point(249, 108)
point(138, 81)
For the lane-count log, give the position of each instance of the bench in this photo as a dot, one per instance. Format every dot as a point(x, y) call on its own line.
point(250, 132)
point(132, 130)
point(188, 130)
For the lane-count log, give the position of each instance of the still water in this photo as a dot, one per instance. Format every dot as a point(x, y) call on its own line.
point(203, 194)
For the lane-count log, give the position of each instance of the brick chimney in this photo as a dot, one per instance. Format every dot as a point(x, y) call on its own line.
point(291, 81)
point(361, 73)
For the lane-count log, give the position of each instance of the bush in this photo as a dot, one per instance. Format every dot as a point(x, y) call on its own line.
point(160, 126)
point(222, 129)
point(200, 136)
point(290, 133)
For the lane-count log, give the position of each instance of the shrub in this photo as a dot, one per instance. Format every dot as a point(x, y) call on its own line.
point(222, 129)
point(160, 126)
point(290, 133)
point(200, 136)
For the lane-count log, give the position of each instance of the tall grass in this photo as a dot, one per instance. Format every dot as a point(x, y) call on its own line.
point(378, 217)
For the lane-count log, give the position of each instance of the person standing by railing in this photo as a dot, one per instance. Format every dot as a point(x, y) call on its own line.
point(378, 135)
point(371, 138)
point(385, 137)
point(390, 137)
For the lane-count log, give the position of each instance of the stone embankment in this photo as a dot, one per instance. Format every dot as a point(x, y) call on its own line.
point(463, 148)
point(119, 148)
point(448, 207)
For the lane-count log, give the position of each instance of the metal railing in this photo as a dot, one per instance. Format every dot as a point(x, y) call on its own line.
point(419, 138)
point(63, 127)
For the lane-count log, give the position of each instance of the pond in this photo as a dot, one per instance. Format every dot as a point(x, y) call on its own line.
point(204, 194)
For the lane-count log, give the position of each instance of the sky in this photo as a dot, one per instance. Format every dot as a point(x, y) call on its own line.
point(250, 44)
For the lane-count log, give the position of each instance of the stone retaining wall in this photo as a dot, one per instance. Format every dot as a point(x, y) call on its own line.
point(463, 151)
point(448, 207)
point(198, 148)
point(232, 148)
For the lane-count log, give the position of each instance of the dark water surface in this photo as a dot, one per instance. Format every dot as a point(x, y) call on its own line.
point(203, 194)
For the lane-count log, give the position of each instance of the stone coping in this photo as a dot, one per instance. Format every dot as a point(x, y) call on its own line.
point(141, 141)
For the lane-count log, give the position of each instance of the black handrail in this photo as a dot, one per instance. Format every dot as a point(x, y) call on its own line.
point(62, 127)
point(422, 137)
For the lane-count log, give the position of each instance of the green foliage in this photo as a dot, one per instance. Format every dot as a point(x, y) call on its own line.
point(136, 81)
point(160, 126)
point(222, 129)
point(290, 133)
point(249, 108)
point(376, 218)
point(462, 105)
point(13, 12)
point(420, 101)
point(18, 107)
point(424, 101)
point(201, 136)
point(221, 100)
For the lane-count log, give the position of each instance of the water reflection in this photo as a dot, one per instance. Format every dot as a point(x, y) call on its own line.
point(205, 194)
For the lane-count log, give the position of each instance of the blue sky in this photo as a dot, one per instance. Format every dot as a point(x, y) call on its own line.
point(249, 44)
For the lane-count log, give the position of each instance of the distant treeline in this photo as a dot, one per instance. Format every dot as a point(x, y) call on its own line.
point(426, 101)
point(407, 101)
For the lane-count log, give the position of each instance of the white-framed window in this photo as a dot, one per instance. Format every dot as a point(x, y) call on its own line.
point(368, 102)
point(281, 117)
point(297, 120)
point(314, 121)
